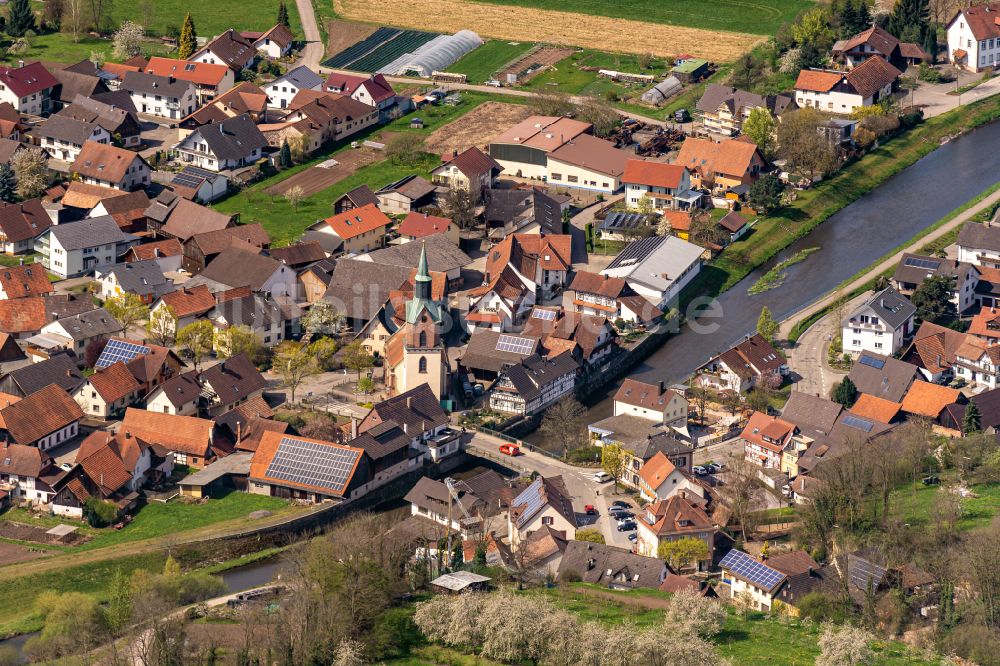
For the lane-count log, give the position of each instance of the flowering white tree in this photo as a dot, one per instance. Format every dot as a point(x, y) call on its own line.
point(127, 42)
point(844, 646)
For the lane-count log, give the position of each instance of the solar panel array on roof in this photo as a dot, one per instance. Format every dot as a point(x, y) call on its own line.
point(751, 570)
point(547, 315)
point(310, 464)
point(917, 262)
point(858, 423)
point(871, 361)
point(186, 180)
point(531, 499)
point(864, 573)
point(119, 350)
point(512, 343)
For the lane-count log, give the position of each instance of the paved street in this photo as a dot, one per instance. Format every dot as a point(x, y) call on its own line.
point(807, 359)
point(579, 482)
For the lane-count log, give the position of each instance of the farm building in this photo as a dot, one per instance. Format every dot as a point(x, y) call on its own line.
point(691, 70)
point(662, 91)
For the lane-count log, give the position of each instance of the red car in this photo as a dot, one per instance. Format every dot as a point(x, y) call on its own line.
point(510, 449)
point(590, 510)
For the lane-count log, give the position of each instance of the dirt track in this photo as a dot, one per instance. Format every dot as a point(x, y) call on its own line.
point(524, 24)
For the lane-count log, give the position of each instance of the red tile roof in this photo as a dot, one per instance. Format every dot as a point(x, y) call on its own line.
point(473, 162)
point(184, 434)
point(656, 470)
point(982, 19)
point(675, 515)
point(170, 247)
point(654, 174)
point(113, 382)
point(40, 414)
point(187, 302)
point(28, 80)
point(25, 281)
point(769, 432)
point(872, 75)
point(817, 80)
point(357, 221)
point(268, 447)
point(925, 399)
point(202, 73)
point(877, 409)
point(418, 225)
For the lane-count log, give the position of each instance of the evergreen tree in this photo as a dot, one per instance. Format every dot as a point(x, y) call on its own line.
point(189, 39)
point(843, 392)
point(863, 17)
point(8, 188)
point(766, 325)
point(283, 14)
point(21, 18)
point(973, 419)
point(848, 19)
point(285, 157)
point(910, 21)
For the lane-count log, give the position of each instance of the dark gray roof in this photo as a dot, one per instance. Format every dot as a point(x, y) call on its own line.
point(360, 196)
point(417, 409)
point(68, 129)
point(139, 277)
point(482, 354)
point(359, 288)
point(233, 139)
point(91, 232)
point(182, 389)
point(60, 369)
point(534, 373)
point(154, 84)
point(112, 106)
point(237, 267)
point(302, 78)
point(810, 412)
point(890, 306)
point(975, 235)
point(382, 440)
point(716, 95)
point(116, 98)
point(890, 382)
point(412, 187)
point(442, 254)
point(433, 496)
point(594, 561)
point(90, 324)
point(618, 221)
point(506, 206)
point(234, 379)
point(72, 83)
point(254, 311)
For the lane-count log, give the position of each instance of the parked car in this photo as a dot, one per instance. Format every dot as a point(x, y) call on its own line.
point(713, 468)
point(510, 449)
point(930, 480)
point(493, 83)
point(633, 537)
point(681, 116)
point(623, 516)
point(622, 503)
point(590, 510)
point(627, 526)
point(602, 477)
point(700, 471)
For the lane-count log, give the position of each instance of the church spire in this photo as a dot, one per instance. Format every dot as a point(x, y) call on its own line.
point(422, 282)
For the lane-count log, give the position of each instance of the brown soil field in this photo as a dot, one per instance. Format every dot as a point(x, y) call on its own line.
point(477, 127)
point(527, 24)
point(341, 34)
point(315, 179)
point(547, 55)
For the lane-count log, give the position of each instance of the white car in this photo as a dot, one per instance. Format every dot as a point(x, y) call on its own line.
point(602, 477)
point(700, 471)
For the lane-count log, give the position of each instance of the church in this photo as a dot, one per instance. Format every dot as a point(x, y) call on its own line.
point(416, 353)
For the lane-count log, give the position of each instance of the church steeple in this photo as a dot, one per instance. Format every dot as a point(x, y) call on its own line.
point(422, 282)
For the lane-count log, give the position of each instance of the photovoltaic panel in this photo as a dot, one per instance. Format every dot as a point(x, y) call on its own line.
point(864, 573)
point(119, 350)
point(185, 180)
point(917, 262)
point(512, 343)
point(547, 315)
point(751, 570)
point(871, 361)
point(311, 464)
point(858, 423)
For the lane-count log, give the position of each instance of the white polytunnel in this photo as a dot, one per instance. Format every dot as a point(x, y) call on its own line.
point(434, 56)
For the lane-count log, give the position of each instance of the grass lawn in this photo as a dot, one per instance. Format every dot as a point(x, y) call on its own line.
point(210, 18)
point(761, 17)
point(157, 519)
point(814, 206)
point(567, 77)
point(17, 595)
point(285, 224)
point(480, 64)
point(915, 504)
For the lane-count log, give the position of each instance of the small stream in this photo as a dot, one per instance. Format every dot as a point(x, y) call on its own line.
point(237, 579)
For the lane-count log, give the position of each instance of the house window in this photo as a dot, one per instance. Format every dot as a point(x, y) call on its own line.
point(422, 365)
point(547, 520)
point(423, 338)
point(573, 179)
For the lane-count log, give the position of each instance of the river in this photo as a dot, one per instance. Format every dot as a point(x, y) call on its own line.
point(849, 241)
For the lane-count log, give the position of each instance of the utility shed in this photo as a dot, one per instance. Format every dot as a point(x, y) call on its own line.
point(231, 471)
point(460, 581)
point(691, 70)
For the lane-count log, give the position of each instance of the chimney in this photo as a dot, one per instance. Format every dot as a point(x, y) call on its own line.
point(128, 435)
point(663, 387)
point(405, 430)
point(409, 402)
point(239, 432)
point(20, 63)
point(354, 427)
